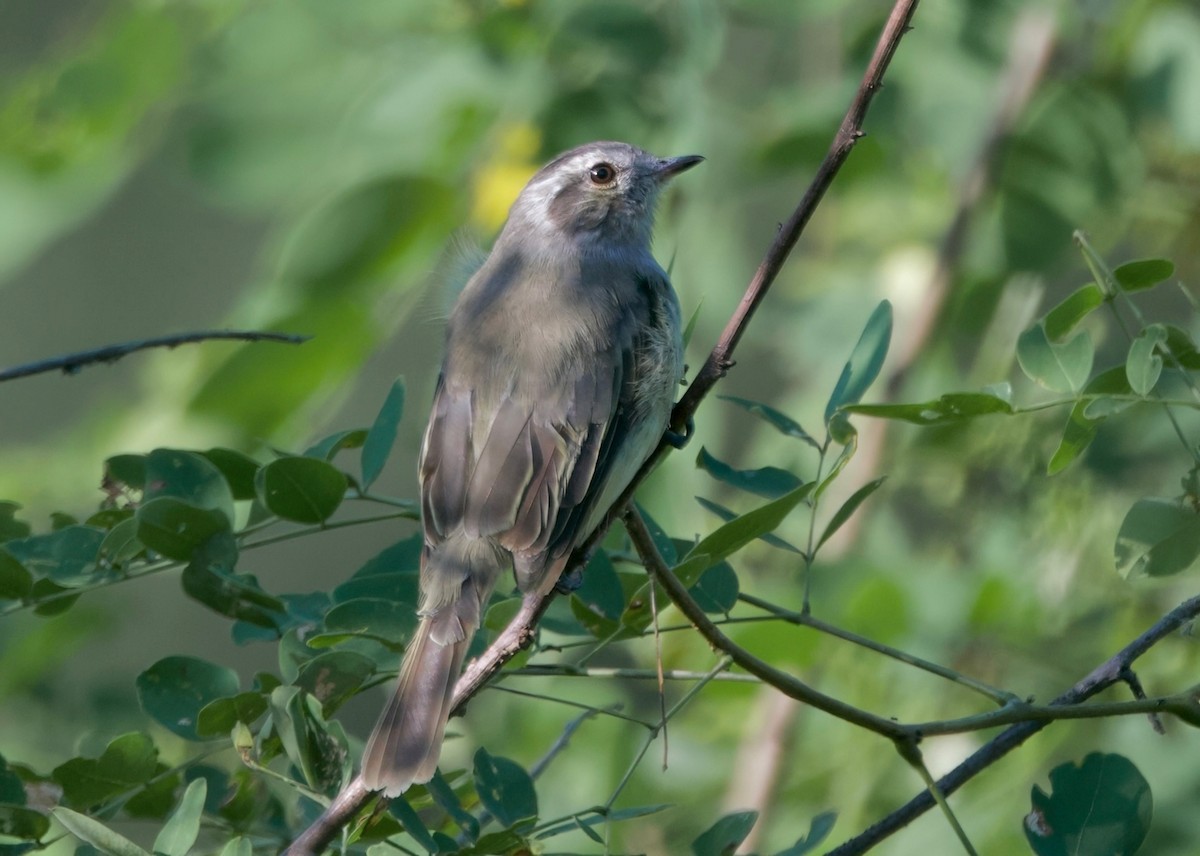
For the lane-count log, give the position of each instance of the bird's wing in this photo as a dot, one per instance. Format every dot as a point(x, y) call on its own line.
point(530, 474)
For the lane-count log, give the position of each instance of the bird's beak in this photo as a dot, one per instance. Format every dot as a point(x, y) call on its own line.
point(668, 167)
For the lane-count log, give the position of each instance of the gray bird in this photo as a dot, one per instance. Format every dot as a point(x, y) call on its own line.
point(563, 354)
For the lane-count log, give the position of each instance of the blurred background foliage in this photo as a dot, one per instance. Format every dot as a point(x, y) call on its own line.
point(323, 168)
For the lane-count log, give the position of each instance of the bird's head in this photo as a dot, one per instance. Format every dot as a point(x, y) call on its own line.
point(599, 194)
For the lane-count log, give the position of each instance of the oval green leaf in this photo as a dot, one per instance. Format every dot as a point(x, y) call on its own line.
point(505, 789)
point(1158, 538)
point(175, 528)
point(1060, 367)
point(183, 827)
point(1143, 366)
point(1099, 808)
point(382, 434)
point(1143, 273)
point(175, 689)
point(303, 490)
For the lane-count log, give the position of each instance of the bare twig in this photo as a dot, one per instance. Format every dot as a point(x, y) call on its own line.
point(73, 363)
point(520, 630)
point(1109, 672)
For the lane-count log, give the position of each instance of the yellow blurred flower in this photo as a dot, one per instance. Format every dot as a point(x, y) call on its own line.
point(498, 181)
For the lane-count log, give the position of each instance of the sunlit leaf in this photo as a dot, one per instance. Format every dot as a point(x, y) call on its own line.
point(96, 833)
point(1143, 366)
point(728, 514)
point(183, 827)
point(1060, 367)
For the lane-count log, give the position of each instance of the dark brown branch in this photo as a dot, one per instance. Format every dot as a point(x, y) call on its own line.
point(1110, 672)
point(72, 363)
point(521, 629)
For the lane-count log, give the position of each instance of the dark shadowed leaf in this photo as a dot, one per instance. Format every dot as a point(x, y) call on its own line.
point(175, 689)
point(209, 579)
point(848, 508)
point(1143, 273)
point(724, 836)
point(391, 574)
point(333, 677)
point(781, 422)
point(237, 469)
point(504, 788)
point(717, 589)
point(127, 762)
point(820, 827)
point(328, 448)
point(10, 527)
point(385, 620)
point(15, 581)
point(304, 490)
point(175, 528)
point(382, 434)
point(1158, 538)
point(767, 482)
point(663, 541)
point(66, 557)
point(1100, 808)
point(1081, 427)
point(448, 801)
point(217, 718)
point(190, 477)
point(1182, 348)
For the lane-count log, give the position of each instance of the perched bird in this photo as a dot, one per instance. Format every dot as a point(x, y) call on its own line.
point(563, 354)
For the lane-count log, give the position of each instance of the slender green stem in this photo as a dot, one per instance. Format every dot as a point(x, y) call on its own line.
point(999, 696)
point(910, 753)
point(569, 671)
point(604, 711)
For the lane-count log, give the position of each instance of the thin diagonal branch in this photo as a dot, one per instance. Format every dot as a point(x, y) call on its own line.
point(520, 630)
point(73, 363)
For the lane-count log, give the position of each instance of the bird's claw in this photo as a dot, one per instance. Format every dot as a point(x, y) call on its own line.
point(570, 581)
point(679, 439)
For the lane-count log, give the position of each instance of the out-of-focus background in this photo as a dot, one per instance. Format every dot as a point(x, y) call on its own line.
point(318, 168)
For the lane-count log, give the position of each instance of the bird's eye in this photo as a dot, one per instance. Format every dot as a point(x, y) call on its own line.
point(602, 174)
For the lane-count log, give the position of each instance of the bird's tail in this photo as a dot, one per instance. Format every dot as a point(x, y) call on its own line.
point(407, 740)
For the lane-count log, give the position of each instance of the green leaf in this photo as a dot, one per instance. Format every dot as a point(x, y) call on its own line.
point(601, 589)
point(717, 589)
point(448, 801)
point(1181, 346)
point(1081, 427)
point(95, 833)
point(1143, 366)
point(175, 689)
point(1100, 808)
point(784, 424)
point(768, 482)
point(586, 820)
point(1143, 273)
point(239, 846)
point(176, 528)
point(818, 830)
point(391, 574)
point(126, 763)
point(128, 470)
point(16, 582)
point(690, 327)
point(1062, 319)
point(1157, 538)
point(10, 527)
point(121, 545)
point(24, 823)
point(237, 469)
point(663, 541)
point(1059, 367)
point(382, 435)
point(1097, 266)
point(865, 362)
point(737, 533)
point(400, 809)
point(217, 718)
point(66, 557)
point(848, 508)
point(334, 677)
point(209, 579)
point(728, 514)
point(303, 490)
point(504, 788)
point(386, 620)
point(183, 827)
point(951, 407)
point(49, 598)
point(190, 477)
point(724, 836)
point(327, 449)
